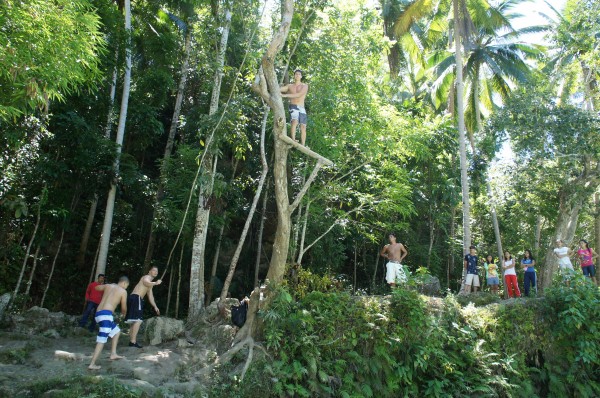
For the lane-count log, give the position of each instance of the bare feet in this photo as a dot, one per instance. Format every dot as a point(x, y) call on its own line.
point(114, 357)
point(94, 367)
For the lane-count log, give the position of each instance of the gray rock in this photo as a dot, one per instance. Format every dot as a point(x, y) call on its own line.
point(429, 286)
point(52, 333)
point(37, 320)
point(160, 329)
point(4, 299)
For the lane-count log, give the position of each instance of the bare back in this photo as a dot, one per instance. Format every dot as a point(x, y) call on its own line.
point(113, 296)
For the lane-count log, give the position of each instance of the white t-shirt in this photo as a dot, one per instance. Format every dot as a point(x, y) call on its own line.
point(510, 271)
point(561, 251)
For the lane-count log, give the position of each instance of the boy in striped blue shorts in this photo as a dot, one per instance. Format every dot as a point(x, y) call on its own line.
point(114, 295)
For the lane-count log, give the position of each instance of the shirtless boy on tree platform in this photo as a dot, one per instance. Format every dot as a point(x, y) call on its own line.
point(114, 295)
point(395, 253)
point(296, 92)
point(135, 304)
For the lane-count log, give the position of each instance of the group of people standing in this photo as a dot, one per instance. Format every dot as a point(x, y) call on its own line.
point(102, 301)
point(585, 256)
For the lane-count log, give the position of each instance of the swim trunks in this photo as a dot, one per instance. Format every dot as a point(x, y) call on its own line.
point(395, 273)
point(298, 113)
point(108, 327)
point(135, 309)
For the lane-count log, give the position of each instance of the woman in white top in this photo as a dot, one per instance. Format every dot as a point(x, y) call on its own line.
point(563, 253)
point(510, 276)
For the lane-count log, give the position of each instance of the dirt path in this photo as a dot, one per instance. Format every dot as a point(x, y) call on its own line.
point(33, 359)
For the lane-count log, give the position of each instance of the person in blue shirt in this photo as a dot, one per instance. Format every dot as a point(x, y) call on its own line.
point(470, 265)
point(528, 264)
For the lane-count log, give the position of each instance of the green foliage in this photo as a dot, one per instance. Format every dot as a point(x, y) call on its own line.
point(334, 344)
point(81, 386)
point(47, 49)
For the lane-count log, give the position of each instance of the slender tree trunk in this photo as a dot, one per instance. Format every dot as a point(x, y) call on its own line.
point(566, 224)
point(169, 294)
point(354, 276)
point(203, 214)
point(260, 235)
point(111, 98)
point(450, 269)
point(170, 143)
point(178, 282)
point(87, 231)
point(296, 232)
point(62, 235)
point(36, 256)
point(261, 182)
point(110, 202)
point(431, 239)
point(28, 250)
point(538, 235)
point(597, 220)
point(303, 235)
point(461, 128)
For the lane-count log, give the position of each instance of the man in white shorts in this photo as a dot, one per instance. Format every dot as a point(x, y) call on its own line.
point(563, 253)
point(395, 253)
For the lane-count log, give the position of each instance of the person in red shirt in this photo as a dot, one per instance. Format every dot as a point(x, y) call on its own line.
point(93, 297)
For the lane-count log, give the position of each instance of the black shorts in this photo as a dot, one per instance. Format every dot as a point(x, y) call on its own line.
point(135, 309)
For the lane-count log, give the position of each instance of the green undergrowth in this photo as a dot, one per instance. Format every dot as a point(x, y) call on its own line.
point(332, 344)
point(79, 387)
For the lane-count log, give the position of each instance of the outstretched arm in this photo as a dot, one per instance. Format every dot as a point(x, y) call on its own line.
point(148, 283)
point(284, 89)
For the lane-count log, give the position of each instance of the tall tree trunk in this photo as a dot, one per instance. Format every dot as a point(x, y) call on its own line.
point(178, 282)
point(110, 201)
point(94, 205)
point(36, 256)
point(464, 179)
point(260, 235)
point(568, 215)
point(597, 220)
point(261, 182)
point(301, 249)
point(538, 235)
point(431, 239)
point(203, 214)
point(354, 276)
point(451, 258)
point(62, 235)
point(213, 271)
point(28, 250)
point(170, 143)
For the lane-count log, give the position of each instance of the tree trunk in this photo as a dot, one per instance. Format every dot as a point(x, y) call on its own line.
point(261, 182)
point(36, 256)
point(301, 249)
point(450, 268)
point(110, 202)
point(464, 179)
point(203, 215)
point(178, 282)
point(87, 232)
point(597, 220)
point(260, 235)
point(568, 215)
point(538, 234)
point(62, 235)
point(170, 143)
point(354, 276)
point(431, 239)
point(27, 251)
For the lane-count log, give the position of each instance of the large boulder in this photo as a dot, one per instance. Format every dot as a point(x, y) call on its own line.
point(4, 300)
point(160, 329)
point(37, 320)
point(429, 286)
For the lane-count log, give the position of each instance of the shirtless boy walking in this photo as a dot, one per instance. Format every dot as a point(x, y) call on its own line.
point(296, 92)
point(135, 304)
point(113, 296)
point(395, 253)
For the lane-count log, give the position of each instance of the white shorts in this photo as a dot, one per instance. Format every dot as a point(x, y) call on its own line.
point(564, 263)
point(395, 273)
point(472, 279)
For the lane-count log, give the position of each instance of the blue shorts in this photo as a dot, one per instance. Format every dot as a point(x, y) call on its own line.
point(589, 270)
point(493, 281)
point(108, 327)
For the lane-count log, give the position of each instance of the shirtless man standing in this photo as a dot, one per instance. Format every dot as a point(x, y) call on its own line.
point(296, 93)
point(135, 304)
point(395, 253)
point(112, 297)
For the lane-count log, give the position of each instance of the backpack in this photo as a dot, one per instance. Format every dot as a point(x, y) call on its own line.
point(238, 314)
